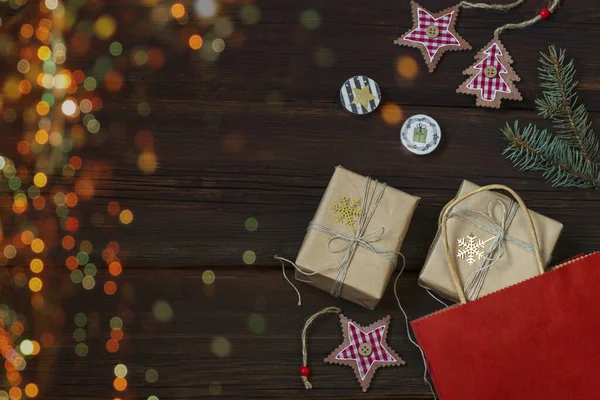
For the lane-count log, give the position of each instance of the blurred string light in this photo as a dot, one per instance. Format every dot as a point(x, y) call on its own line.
point(58, 104)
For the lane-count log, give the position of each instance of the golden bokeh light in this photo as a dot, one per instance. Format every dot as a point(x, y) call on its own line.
point(36, 265)
point(41, 136)
point(40, 179)
point(195, 42)
point(147, 162)
point(392, 114)
point(126, 217)
point(105, 27)
point(35, 284)
point(37, 245)
point(15, 393)
point(407, 67)
point(44, 53)
point(177, 10)
point(31, 390)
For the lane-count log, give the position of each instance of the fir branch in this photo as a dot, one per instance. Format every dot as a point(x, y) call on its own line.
point(560, 104)
point(562, 165)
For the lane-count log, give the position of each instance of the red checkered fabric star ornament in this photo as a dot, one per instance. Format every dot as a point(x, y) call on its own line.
point(433, 34)
point(492, 77)
point(364, 349)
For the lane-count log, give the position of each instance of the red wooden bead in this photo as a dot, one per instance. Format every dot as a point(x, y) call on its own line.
point(545, 13)
point(304, 371)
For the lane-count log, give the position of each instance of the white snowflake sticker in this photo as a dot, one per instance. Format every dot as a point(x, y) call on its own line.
point(471, 248)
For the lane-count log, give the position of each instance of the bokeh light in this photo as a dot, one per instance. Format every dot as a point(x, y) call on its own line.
point(205, 8)
point(215, 388)
point(251, 224)
point(310, 19)
point(392, 113)
point(221, 347)
point(151, 375)
point(162, 311)
point(208, 277)
point(126, 217)
point(249, 257)
point(195, 42)
point(407, 67)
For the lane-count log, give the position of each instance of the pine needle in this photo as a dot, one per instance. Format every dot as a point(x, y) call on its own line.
point(561, 165)
point(560, 104)
point(570, 156)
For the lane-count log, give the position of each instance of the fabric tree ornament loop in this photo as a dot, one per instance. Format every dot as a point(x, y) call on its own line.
point(492, 76)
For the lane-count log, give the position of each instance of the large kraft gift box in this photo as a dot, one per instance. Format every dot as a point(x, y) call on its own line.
point(475, 239)
point(327, 252)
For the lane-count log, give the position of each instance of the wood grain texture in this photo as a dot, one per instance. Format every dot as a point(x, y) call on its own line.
point(257, 134)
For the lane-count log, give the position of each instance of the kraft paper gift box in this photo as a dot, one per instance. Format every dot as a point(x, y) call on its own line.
point(475, 239)
point(350, 248)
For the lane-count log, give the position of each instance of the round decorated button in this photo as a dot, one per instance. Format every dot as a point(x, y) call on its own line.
point(365, 349)
point(433, 31)
point(491, 72)
point(360, 95)
point(420, 134)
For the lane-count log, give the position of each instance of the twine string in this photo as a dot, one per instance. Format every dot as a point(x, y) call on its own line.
point(368, 206)
point(492, 6)
point(443, 223)
point(522, 25)
point(361, 238)
point(485, 221)
point(410, 338)
point(309, 321)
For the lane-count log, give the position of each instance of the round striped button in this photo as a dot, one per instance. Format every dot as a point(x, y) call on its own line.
point(360, 95)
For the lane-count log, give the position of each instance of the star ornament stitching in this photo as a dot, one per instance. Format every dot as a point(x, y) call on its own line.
point(433, 34)
point(364, 349)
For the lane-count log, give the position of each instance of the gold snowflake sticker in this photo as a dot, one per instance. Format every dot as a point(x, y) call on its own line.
point(348, 210)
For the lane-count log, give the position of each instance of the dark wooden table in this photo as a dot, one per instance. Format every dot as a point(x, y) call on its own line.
point(256, 134)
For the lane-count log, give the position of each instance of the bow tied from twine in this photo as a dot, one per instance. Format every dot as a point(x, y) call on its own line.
point(366, 241)
point(498, 228)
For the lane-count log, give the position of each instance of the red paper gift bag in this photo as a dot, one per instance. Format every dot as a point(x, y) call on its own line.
point(536, 340)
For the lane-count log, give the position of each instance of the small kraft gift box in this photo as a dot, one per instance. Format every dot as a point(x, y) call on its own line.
point(351, 246)
point(488, 234)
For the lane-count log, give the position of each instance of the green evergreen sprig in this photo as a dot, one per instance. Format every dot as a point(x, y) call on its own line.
point(570, 156)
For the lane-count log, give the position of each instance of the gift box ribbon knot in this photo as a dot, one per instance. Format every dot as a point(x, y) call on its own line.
point(498, 228)
point(371, 198)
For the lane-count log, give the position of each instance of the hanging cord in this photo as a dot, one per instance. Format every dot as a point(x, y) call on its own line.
point(281, 260)
point(408, 327)
point(304, 370)
point(486, 6)
point(522, 25)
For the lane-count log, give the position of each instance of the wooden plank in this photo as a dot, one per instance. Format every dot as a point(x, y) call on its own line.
point(264, 356)
point(193, 209)
point(276, 58)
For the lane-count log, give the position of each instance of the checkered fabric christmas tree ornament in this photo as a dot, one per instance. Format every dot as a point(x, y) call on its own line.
point(492, 77)
point(433, 34)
